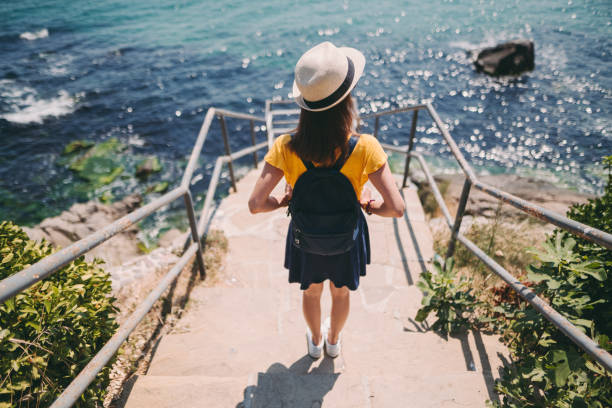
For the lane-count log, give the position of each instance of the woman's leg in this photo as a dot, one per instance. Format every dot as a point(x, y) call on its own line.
point(339, 311)
point(311, 306)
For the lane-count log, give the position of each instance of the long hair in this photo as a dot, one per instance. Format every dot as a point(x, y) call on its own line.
point(320, 135)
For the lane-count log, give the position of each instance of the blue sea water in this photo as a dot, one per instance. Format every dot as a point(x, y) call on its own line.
point(146, 71)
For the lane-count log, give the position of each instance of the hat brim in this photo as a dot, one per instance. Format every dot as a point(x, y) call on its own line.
point(358, 62)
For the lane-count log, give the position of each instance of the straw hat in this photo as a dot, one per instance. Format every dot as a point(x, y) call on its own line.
point(325, 75)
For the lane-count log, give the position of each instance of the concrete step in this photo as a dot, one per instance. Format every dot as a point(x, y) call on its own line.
point(280, 387)
point(257, 328)
point(185, 392)
point(243, 344)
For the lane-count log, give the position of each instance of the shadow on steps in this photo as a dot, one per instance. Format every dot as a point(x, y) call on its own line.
point(296, 386)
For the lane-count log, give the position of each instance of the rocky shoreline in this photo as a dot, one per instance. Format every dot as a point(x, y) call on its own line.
point(480, 204)
point(126, 262)
point(484, 210)
point(122, 257)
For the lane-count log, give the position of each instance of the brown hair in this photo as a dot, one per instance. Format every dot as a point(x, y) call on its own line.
point(319, 135)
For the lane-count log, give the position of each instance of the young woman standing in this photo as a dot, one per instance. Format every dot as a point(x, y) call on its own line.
point(324, 78)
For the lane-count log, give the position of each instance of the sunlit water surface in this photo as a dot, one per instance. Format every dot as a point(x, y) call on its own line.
point(146, 71)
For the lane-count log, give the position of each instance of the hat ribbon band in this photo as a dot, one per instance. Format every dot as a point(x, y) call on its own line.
point(338, 93)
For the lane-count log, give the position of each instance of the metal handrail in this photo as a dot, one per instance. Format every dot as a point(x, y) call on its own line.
point(22, 280)
point(600, 237)
point(592, 234)
point(47, 266)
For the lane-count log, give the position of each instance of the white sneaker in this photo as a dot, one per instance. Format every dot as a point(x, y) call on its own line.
point(314, 350)
point(333, 350)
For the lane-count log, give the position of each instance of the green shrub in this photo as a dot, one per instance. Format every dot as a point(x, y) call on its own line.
point(549, 369)
point(49, 332)
point(448, 295)
point(575, 276)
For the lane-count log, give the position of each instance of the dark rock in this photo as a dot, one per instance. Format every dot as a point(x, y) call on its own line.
point(160, 187)
point(77, 145)
point(148, 166)
point(511, 58)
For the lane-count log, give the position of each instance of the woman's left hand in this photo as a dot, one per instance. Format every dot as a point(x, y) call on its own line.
point(366, 195)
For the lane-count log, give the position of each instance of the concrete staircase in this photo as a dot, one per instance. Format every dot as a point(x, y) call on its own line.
point(242, 343)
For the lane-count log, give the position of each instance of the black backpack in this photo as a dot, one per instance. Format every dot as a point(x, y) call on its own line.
point(324, 209)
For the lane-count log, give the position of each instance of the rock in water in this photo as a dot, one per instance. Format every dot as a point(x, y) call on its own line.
point(511, 58)
point(99, 164)
point(77, 145)
point(147, 167)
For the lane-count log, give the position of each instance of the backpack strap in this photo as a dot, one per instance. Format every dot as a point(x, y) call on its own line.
point(308, 165)
point(340, 162)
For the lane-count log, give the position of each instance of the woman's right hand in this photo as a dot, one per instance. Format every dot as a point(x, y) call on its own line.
point(284, 201)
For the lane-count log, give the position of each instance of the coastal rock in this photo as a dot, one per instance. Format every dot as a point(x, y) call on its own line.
point(147, 167)
point(481, 204)
point(97, 164)
point(510, 58)
point(77, 145)
point(173, 239)
point(142, 269)
point(83, 219)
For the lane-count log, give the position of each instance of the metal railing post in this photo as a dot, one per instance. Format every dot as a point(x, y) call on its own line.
point(194, 232)
point(268, 119)
point(253, 142)
point(459, 217)
point(410, 145)
point(376, 124)
point(228, 152)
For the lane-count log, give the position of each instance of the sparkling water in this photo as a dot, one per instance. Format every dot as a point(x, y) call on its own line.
point(145, 72)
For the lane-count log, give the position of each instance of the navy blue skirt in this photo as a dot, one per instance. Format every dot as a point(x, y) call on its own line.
point(343, 269)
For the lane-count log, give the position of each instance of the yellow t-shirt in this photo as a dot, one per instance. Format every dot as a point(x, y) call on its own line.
point(367, 157)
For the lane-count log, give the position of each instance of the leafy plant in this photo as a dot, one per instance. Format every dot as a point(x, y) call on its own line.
point(575, 276)
point(549, 369)
point(49, 332)
point(448, 295)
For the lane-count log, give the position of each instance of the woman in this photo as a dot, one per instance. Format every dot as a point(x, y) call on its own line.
point(324, 78)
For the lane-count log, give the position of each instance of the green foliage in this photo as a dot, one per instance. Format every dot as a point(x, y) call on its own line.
point(448, 295)
point(49, 332)
point(549, 369)
point(107, 197)
point(575, 276)
point(598, 214)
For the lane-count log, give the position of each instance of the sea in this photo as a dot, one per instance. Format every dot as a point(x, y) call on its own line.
point(145, 73)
